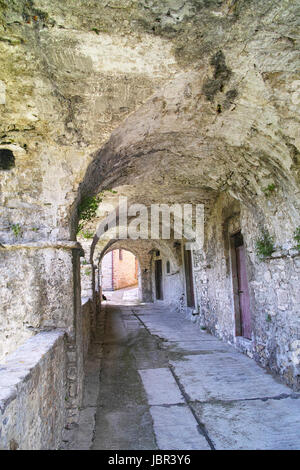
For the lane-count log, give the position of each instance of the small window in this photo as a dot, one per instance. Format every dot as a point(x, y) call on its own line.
point(157, 253)
point(168, 267)
point(7, 159)
point(120, 255)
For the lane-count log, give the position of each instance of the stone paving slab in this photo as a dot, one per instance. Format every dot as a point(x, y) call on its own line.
point(175, 428)
point(225, 376)
point(196, 346)
point(253, 425)
point(170, 334)
point(160, 387)
point(86, 425)
point(142, 405)
point(127, 428)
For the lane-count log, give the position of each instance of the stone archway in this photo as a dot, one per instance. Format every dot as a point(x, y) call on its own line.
point(143, 292)
point(150, 102)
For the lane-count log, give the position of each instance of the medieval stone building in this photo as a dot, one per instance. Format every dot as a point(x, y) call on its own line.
point(162, 102)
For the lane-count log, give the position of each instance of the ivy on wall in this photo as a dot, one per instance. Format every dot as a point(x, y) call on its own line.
point(297, 238)
point(87, 210)
point(264, 245)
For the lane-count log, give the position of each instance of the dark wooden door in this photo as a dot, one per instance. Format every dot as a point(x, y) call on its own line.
point(243, 292)
point(189, 278)
point(158, 279)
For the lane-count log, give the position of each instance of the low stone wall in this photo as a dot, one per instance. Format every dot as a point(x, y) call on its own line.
point(32, 380)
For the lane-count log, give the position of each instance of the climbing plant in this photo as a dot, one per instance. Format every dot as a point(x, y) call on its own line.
point(16, 228)
point(269, 189)
point(297, 238)
point(265, 245)
point(87, 210)
point(86, 234)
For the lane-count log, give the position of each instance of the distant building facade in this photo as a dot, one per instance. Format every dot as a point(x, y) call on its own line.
point(119, 269)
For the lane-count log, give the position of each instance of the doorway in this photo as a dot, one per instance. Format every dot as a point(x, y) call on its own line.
point(188, 266)
point(158, 279)
point(243, 319)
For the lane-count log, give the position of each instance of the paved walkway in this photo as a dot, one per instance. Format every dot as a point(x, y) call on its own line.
point(165, 384)
point(126, 296)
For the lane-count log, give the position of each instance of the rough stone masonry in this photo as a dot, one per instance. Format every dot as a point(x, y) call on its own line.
point(173, 101)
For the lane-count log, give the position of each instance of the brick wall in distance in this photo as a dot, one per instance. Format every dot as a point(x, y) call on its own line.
point(125, 269)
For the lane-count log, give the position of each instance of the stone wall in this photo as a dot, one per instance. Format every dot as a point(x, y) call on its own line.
point(47, 369)
point(37, 287)
point(87, 313)
point(106, 271)
point(40, 286)
point(273, 288)
point(86, 272)
point(172, 282)
point(32, 380)
point(150, 101)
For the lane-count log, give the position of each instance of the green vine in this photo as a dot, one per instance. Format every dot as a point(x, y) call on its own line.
point(297, 238)
point(16, 228)
point(87, 210)
point(265, 245)
point(269, 189)
point(86, 234)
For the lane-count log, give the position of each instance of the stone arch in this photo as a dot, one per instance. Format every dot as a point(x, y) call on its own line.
point(191, 116)
point(140, 251)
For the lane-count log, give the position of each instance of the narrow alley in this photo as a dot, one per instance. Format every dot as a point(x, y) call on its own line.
point(150, 153)
point(165, 384)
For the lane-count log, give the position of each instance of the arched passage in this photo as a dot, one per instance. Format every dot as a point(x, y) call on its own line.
point(118, 270)
point(149, 102)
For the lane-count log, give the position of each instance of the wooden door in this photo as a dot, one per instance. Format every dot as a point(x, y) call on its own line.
point(243, 292)
point(158, 279)
point(189, 278)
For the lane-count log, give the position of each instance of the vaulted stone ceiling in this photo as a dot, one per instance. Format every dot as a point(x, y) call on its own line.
point(165, 101)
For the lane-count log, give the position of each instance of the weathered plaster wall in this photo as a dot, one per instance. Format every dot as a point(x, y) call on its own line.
point(32, 379)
